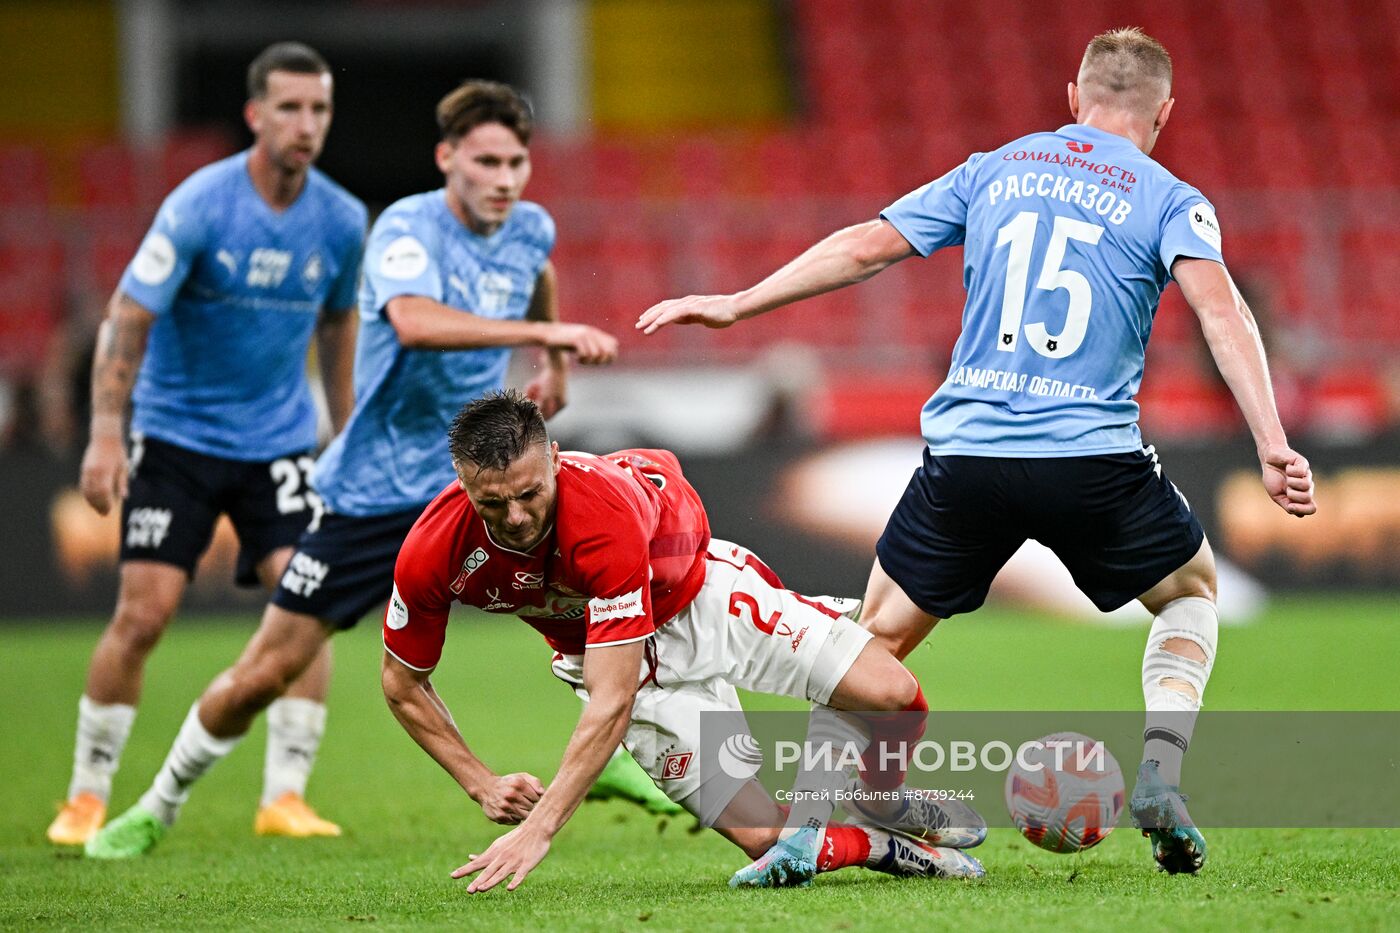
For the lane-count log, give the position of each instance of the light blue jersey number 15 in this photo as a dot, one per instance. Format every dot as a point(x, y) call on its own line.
point(1020, 234)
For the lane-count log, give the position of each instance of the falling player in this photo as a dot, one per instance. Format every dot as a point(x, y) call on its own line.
point(453, 279)
point(1069, 238)
point(247, 259)
point(654, 624)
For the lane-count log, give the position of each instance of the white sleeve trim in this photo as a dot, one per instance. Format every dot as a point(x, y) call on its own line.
point(405, 663)
point(601, 644)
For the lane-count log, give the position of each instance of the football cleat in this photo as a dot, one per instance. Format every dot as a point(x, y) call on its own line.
point(896, 854)
point(290, 815)
point(1159, 810)
point(132, 834)
point(792, 863)
point(623, 779)
point(80, 818)
point(919, 814)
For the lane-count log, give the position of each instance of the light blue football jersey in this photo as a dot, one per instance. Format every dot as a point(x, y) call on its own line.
point(1068, 240)
point(392, 455)
point(236, 289)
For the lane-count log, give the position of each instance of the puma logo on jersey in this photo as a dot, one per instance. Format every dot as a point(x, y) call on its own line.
point(227, 260)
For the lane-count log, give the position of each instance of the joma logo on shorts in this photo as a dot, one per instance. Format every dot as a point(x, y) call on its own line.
point(304, 575)
point(147, 527)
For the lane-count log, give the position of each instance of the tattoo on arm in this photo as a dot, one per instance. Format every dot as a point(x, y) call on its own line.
point(121, 346)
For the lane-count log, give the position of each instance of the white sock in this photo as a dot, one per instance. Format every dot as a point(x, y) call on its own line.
point(294, 730)
point(195, 751)
point(102, 733)
point(1171, 713)
point(829, 734)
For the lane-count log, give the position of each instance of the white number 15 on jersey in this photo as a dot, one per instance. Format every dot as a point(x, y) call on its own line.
point(1020, 233)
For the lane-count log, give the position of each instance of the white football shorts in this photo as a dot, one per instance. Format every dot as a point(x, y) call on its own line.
point(739, 631)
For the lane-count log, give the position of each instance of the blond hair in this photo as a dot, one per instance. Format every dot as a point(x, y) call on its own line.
point(1126, 67)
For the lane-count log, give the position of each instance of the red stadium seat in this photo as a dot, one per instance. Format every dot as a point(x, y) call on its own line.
point(114, 176)
point(24, 177)
point(184, 153)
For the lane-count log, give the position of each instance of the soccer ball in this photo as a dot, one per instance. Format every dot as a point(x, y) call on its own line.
point(1064, 792)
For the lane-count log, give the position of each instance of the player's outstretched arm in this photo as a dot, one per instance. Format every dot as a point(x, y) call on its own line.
point(424, 324)
point(506, 798)
point(846, 257)
point(610, 676)
point(121, 346)
point(1233, 337)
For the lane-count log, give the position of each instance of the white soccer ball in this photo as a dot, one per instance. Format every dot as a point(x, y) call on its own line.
point(1064, 792)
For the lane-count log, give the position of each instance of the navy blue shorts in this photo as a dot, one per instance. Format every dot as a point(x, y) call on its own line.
point(1115, 520)
point(344, 567)
point(176, 495)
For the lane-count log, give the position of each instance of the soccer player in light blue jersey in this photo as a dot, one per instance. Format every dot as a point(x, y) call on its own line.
point(1069, 238)
point(453, 279)
point(247, 260)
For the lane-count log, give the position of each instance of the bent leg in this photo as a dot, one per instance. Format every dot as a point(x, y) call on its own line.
point(284, 646)
point(891, 616)
point(281, 649)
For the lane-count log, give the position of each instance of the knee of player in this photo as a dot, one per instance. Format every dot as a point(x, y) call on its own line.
point(140, 621)
point(263, 681)
point(899, 690)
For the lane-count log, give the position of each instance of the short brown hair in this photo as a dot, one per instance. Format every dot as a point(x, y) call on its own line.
point(1125, 61)
point(476, 102)
point(284, 56)
point(496, 430)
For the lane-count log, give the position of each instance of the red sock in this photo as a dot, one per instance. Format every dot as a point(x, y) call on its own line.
point(890, 730)
point(843, 847)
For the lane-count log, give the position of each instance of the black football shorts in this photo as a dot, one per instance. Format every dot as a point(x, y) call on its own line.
point(175, 496)
point(344, 566)
point(1115, 520)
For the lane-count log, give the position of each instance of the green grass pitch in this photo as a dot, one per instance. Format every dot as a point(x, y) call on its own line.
point(615, 867)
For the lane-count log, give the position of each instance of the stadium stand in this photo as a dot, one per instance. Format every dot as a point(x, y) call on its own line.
point(1303, 162)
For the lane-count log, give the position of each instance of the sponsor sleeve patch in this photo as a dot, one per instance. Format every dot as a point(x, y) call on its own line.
point(155, 260)
point(397, 616)
point(404, 259)
point(625, 606)
point(1204, 223)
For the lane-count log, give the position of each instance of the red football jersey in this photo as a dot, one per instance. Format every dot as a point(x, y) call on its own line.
point(625, 554)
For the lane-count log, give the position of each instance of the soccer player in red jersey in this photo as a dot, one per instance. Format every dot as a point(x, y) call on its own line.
point(653, 623)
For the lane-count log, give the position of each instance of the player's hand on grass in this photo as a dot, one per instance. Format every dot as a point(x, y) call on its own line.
point(1288, 479)
point(511, 797)
point(512, 855)
point(592, 346)
point(710, 310)
point(549, 390)
point(104, 473)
